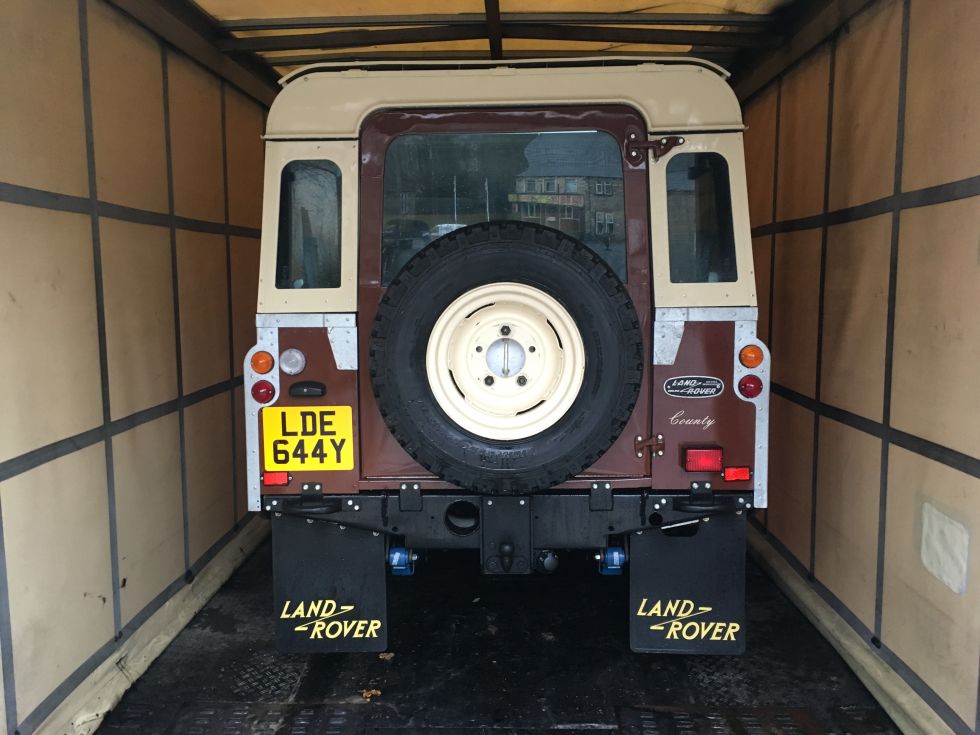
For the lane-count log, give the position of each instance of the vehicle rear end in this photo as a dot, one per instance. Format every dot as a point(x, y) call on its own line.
point(522, 328)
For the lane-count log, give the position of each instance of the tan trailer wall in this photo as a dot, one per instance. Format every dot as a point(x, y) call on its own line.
point(130, 200)
point(864, 181)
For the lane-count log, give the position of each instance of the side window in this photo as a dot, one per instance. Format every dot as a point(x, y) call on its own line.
point(699, 219)
point(308, 254)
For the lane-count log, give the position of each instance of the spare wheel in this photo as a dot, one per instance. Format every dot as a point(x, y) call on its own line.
point(506, 357)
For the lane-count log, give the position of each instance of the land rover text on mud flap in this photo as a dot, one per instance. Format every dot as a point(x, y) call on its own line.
point(507, 306)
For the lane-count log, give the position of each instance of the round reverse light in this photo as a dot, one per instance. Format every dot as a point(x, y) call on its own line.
point(292, 361)
point(750, 386)
point(262, 362)
point(751, 356)
point(263, 391)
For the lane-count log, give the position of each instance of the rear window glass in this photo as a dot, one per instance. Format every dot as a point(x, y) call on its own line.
point(308, 255)
point(699, 219)
point(436, 183)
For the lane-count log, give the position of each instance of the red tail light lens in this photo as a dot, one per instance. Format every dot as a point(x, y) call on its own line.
point(750, 386)
point(702, 459)
point(263, 391)
point(733, 474)
point(275, 478)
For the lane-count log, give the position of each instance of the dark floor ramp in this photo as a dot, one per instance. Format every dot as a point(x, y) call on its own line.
point(494, 655)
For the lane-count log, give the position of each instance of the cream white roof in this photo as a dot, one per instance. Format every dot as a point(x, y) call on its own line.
point(332, 100)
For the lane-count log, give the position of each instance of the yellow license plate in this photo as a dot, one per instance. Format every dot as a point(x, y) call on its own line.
point(314, 438)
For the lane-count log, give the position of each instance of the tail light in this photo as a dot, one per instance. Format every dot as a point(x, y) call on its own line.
point(263, 391)
point(275, 478)
point(733, 474)
point(702, 459)
point(750, 386)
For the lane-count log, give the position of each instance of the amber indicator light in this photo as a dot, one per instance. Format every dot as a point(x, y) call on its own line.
point(751, 356)
point(262, 362)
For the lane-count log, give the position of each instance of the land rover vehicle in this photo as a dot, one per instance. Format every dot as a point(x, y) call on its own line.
point(508, 307)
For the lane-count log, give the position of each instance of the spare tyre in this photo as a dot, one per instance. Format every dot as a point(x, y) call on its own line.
point(506, 357)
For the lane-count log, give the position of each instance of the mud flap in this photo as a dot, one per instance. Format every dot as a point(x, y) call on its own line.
point(687, 592)
point(330, 587)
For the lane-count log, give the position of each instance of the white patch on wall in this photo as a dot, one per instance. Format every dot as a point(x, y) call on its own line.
point(945, 548)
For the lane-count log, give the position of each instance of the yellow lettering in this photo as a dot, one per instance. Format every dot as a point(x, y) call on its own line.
point(733, 628)
point(686, 608)
point(671, 608)
point(334, 628)
point(655, 610)
point(285, 611)
point(641, 612)
point(317, 631)
point(373, 628)
point(674, 629)
point(298, 612)
point(359, 630)
point(717, 629)
point(313, 609)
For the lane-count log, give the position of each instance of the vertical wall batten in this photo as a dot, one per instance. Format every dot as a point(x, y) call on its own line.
point(903, 72)
point(175, 288)
point(821, 291)
point(100, 311)
point(231, 319)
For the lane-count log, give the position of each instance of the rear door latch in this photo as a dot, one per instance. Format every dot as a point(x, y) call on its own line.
point(654, 443)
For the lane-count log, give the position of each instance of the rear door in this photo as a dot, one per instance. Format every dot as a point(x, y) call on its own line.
point(426, 172)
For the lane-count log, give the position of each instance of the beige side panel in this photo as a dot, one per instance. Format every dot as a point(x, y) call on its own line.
point(41, 121)
point(665, 292)
point(195, 140)
point(202, 281)
point(937, 332)
point(790, 472)
point(271, 299)
point(58, 570)
point(760, 150)
point(127, 111)
point(848, 486)
point(241, 486)
point(802, 138)
point(762, 255)
point(932, 628)
point(245, 121)
point(942, 105)
point(855, 312)
point(139, 316)
point(148, 511)
point(796, 284)
point(244, 287)
point(209, 485)
point(47, 306)
point(866, 107)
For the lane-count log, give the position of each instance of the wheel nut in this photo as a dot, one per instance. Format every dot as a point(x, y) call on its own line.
point(521, 380)
point(505, 330)
point(479, 349)
point(531, 348)
point(488, 380)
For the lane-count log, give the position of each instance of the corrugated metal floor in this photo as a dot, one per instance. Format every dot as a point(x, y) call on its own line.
point(472, 654)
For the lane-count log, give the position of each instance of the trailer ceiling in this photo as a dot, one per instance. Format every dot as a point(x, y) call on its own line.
point(270, 39)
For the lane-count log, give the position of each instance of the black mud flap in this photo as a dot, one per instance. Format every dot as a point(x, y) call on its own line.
point(330, 587)
point(687, 590)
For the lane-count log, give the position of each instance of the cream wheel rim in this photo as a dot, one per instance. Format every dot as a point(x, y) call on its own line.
point(505, 361)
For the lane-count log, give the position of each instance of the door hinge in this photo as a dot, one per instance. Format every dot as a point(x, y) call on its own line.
point(635, 145)
point(654, 443)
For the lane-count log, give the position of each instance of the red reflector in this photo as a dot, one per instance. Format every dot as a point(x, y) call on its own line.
point(275, 478)
point(705, 459)
point(731, 474)
point(263, 391)
point(750, 386)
